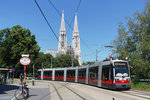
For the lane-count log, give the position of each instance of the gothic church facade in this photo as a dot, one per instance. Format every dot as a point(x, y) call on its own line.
point(74, 50)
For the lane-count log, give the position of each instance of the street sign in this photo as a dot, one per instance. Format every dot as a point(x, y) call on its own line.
point(10, 69)
point(13, 69)
point(25, 61)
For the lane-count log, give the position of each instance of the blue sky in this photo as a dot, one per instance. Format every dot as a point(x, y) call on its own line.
point(97, 21)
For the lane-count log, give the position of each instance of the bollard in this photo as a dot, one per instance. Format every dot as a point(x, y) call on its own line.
point(33, 82)
point(27, 92)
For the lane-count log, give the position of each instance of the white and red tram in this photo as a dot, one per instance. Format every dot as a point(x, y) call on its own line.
point(112, 74)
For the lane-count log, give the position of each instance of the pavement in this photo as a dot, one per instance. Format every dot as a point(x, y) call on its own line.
point(40, 91)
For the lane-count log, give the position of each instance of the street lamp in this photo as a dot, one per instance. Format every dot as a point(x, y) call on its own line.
point(51, 62)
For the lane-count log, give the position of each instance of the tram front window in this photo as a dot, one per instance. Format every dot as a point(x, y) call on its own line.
point(121, 69)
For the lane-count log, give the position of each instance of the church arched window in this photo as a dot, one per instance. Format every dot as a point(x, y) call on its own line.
point(76, 41)
point(62, 40)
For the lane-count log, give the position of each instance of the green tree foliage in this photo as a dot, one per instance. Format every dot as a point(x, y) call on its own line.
point(43, 60)
point(60, 61)
point(88, 62)
point(14, 42)
point(134, 42)
point(64, 60)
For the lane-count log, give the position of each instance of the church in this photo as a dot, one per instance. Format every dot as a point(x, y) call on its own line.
point(74, 49)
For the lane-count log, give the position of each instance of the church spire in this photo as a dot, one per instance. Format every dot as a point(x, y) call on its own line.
point(76, 41)
point(62, 27)
point(62, 45)
point(76, 24)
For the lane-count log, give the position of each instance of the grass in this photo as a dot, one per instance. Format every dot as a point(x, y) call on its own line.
point(140, 85)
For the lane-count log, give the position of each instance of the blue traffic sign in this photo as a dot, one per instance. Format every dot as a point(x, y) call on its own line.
point(13, 69)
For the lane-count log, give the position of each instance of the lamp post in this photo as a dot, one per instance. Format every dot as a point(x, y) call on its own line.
point(51, 62)
point(72, 56)
point(33, 76)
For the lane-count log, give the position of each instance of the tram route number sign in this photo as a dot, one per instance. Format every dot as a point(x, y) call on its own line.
point(120, 64)
point(25, 61)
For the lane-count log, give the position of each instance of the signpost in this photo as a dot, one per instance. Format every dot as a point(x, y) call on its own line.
point(10, 71)
point(25, 60)
point(13, 73)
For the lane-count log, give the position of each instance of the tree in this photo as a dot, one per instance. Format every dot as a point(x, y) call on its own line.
point(134, 41)
point(44, 59)
point(64, 60)
point(14, 42)
point(88, 62)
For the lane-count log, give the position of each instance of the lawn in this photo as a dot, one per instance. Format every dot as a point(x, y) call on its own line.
point(141, 85)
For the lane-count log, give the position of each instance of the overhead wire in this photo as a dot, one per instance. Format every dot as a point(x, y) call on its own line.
point(46, 20)
point(71, 20)
point(60, 15)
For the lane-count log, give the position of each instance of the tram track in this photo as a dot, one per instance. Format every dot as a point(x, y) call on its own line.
point(73, 92)
point(56, 91)
point(137, 94)
point(64, 85)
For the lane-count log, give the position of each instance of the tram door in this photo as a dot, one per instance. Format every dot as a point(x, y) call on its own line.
point(59, 75)
point(39, 75)
point(93, 76)
point(82, 75)
point(107, 76)
point(70, 76)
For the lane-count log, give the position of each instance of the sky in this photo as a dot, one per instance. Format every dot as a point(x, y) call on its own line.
point(97, 21)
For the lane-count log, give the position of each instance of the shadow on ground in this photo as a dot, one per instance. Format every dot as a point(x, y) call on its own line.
point(4, 88)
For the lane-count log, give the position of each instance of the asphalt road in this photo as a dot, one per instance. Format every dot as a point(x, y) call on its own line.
point(55, 90)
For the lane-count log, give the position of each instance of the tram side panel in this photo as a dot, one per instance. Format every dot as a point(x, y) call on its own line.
point(107, 77)
point(47, 75)
point(70, 75)
point(76, 74)
point(93, 76)
point(53, 75)
point(59, 75)
point(99, 74)
point(82, 75)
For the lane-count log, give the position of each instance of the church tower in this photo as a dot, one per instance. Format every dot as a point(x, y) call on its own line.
point(62, 46)
point(76, 41)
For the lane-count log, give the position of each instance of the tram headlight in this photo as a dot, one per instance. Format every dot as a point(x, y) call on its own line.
point(127, 79)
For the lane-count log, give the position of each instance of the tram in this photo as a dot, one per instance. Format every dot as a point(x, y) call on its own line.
point(111, 74)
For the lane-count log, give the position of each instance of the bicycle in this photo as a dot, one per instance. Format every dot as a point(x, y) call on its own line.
point(22, 92)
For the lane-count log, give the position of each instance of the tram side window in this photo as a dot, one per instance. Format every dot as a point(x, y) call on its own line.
point(105, 73)
point(47, 73)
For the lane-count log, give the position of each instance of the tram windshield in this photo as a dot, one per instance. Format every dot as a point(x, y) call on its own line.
point(121, 69)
